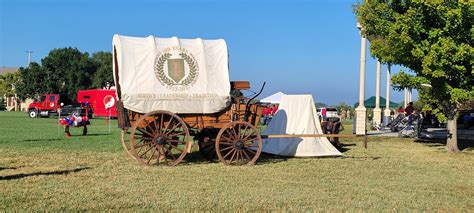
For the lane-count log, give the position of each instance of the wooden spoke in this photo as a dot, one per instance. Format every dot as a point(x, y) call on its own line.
point(151, 156)
point(230, 147)
point(232, 136)
point(170, 152)
point(158, 128)
point(224, 138)
point(176, 134)
point(246, 155)
point(175, 147)
point(141, 148)
point(251, 139)
point(245, 131)
point(176, 141)
point(249, 135)
point(238, 158)
point(169, 130)
point(251, 151)
point(144, 153)
point(140, 145)
point(158, 150)
point(236, 136)
point(233, 155)
point(228, 153)
point(161, 123)
point(226, 143)
point(144, 138)
point(168, 125)
point(144, 132)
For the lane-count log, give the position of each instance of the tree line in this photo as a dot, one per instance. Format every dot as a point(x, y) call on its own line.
point(63, 71)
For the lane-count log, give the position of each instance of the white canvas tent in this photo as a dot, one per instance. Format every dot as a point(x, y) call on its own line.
point(297, 115)
point(273, 99)
point(178, 75)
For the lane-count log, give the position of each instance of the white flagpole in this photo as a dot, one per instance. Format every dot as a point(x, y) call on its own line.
point(109, 119)
point(59, 118)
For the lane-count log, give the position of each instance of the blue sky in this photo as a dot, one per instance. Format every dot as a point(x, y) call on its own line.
point(295, 46)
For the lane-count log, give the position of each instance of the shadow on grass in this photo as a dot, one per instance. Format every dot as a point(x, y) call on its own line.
point(266, 158)
point(7, 167)
point(41, 139)
point(372, 158)
point(60, 172)
point(96, 134)
point(462, 144)
point(197, 158)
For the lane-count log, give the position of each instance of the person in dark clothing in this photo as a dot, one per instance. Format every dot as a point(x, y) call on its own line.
point(332, 126)
point(409, 109)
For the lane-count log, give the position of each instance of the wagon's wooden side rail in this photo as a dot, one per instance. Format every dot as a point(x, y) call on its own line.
point(315, 136)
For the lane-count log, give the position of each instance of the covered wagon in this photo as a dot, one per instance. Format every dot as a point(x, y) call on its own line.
point(173, 91)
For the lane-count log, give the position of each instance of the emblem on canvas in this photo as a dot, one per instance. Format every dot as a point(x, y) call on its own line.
point(176, 68)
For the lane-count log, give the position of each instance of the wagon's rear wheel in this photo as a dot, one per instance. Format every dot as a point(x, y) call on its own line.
point(159, 138)
point(238, 143)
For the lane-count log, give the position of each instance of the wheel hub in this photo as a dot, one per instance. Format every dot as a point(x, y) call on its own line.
point(160, 140)
point(239, 144)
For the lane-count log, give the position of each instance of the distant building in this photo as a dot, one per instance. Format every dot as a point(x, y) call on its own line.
point(4, 70)
point(11, 103)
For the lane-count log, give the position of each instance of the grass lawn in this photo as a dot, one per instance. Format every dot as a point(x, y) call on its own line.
point(41, 170)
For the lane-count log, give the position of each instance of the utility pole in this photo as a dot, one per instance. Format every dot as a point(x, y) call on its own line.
point(29, 56)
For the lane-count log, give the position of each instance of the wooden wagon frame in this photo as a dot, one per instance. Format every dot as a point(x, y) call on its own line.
point(163, 137)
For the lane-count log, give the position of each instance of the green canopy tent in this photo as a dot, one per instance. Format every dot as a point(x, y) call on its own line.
point(370, 103)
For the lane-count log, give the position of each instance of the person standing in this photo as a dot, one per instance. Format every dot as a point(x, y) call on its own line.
point(409, 109)
point(274, 109)
point(323, 113)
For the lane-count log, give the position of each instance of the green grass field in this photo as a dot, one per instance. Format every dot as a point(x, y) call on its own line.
point(41, 170)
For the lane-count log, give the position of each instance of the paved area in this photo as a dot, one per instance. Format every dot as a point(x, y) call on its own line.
point(467, 134)
point(385, 133)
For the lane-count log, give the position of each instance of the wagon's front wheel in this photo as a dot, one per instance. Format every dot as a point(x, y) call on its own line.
point(159, 138)
point(238, 143)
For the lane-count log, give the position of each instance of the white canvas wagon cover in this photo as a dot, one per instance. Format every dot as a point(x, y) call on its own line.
point(178, 75)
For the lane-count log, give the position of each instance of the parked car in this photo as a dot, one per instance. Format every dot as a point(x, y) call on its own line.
point(330, 112)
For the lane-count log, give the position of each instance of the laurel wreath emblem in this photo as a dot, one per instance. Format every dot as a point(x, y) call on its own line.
point(160, 73)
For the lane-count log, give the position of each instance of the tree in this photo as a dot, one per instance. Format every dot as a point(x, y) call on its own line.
point(103, 76)
point(431, 38)
point(68, 70)
point(342, 108)
point(31, 81)
point(9, 83)
point(320, 105)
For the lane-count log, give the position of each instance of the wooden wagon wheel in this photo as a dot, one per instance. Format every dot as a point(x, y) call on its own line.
point(159, 138)
point(238, 143)
point(126, 144)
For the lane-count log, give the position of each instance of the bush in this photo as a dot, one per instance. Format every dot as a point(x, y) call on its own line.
point(2, 104)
